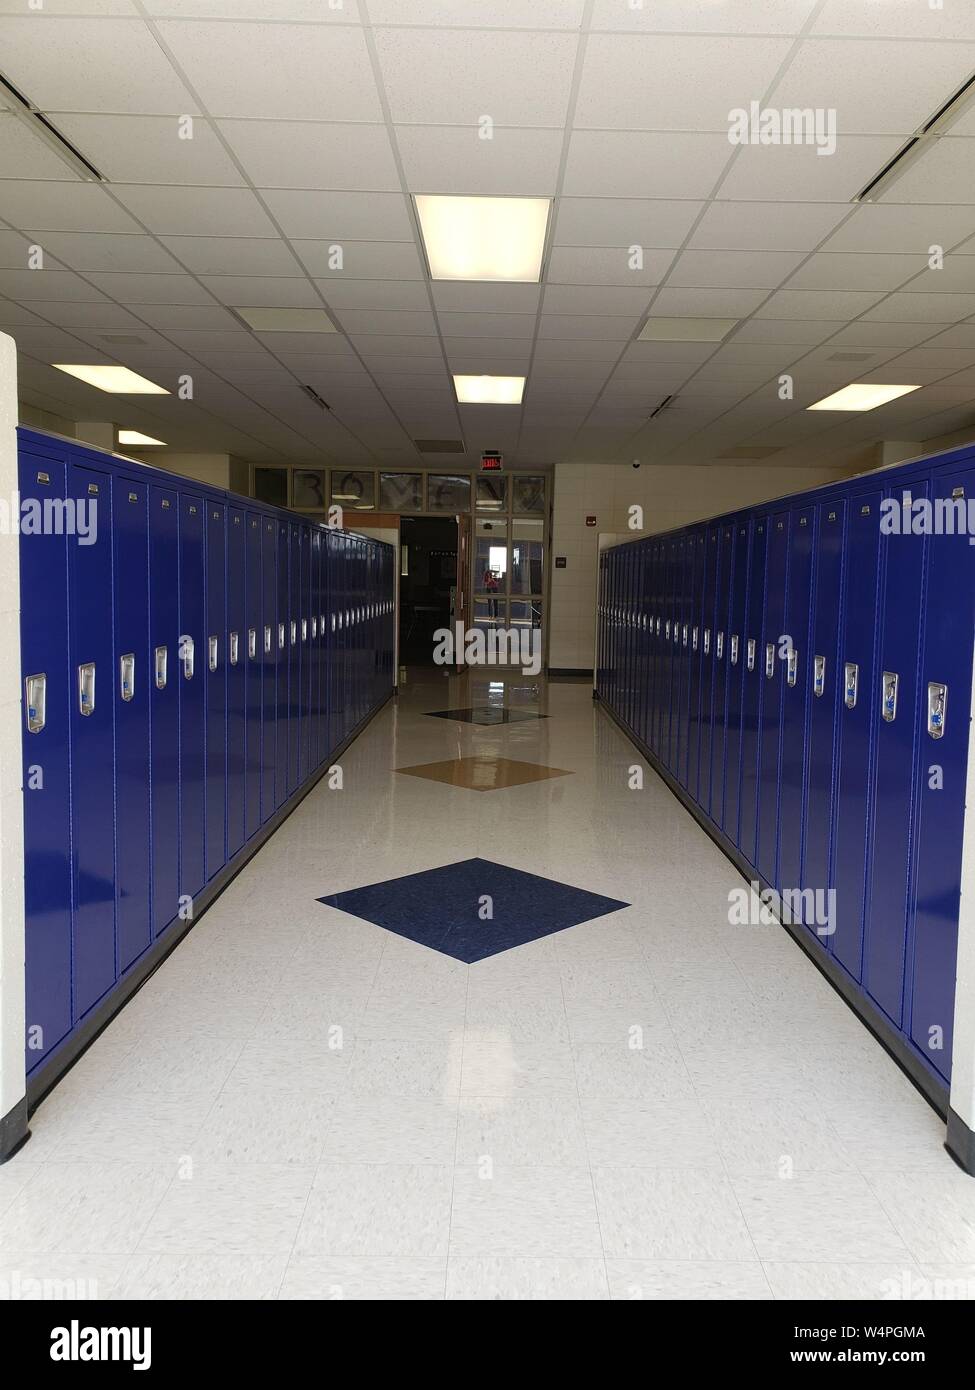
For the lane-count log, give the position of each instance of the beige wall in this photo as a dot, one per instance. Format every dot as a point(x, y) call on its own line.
point(669, 497)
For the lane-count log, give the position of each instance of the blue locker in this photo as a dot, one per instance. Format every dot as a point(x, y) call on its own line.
point(304, 638)
point(724, 578)
point(283, 649)
point(897, 732)
point(47, 805)
point(753, 679)
point(773, 669)
point(253, 655)
point(236, 679)
point(132, 684)
point(164, 702)
point(708, 627)
point(294, 657)
point(92, 729)
point(858, 685)
point(737, 640)
point(216, 688)
point(678, 695)
point(192, 687)
point(946, 662)
point(697, 579)
point(796, 682)
point(269, 667)
point(646, 641)
point(659, 605)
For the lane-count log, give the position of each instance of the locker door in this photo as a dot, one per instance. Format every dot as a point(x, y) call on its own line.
point(236, 679)
point(773, 669)
point(629, 587)
point(825, 699)
point(164, 702)
point(796, 679)
point(692, 651)
point(719, 660)
point(131, 695)
point(678, 719)
point(897, 733)
point(268, 642)
point(736, 659)
point(215, 675)
point(660, 584)
point(282, 647)
point(304, 639)
point(253, 657)
point(314, 664)
point(751, 657)
point(294, 656)
point(708, 603)
point(47, 800)
point(643, 719)
point(670, 631)
point(192, 665)
point(332, 655)
point(946, 661)
point(92, 743)
point(857, 713)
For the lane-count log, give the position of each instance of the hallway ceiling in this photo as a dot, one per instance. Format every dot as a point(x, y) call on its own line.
point(313, 126)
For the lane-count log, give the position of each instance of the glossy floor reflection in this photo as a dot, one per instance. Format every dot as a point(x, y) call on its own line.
point(652, 1104)
point(484, 772)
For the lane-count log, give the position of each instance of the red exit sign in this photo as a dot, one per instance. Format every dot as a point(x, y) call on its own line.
point(492, 462)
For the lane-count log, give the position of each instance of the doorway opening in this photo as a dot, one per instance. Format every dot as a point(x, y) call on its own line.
point(428, 584)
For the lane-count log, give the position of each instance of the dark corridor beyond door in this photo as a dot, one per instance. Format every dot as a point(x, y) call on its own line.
point(428, 570)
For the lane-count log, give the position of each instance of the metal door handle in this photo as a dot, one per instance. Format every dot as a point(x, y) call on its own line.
point(86, 688)
point(792, 666)
point(769, 660)
point(734, 649)
point(213, 650)
point(851, 679)
point(189, 653)
point(162, 664)
point(719, 648)
point(35, 701)
point(267, 637)
point(234, 648)
point(819, 675)
point(707, 641)
point(751, 654)
point(891, 681)
point(252, 642)
point(126, 675)
point(280, 637)
point(937, 709)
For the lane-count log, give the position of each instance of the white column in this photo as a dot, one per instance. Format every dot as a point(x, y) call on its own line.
point(961, 1117)
point(13, 1103)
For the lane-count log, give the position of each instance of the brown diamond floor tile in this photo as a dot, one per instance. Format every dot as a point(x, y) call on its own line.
point(483, 773)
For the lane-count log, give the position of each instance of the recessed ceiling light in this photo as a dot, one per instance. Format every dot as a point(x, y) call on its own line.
point(118, 380)
point(287, 320)
point(489, 390)
point(484, 238)
point(686, 330)
point(862, 395)
point(143, 441)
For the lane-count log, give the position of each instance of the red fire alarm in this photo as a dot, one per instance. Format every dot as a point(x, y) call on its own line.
point(492, 461)
point(590, 521)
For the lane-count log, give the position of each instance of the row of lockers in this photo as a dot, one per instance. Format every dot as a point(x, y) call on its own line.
point(803, 672)
point(190, 661)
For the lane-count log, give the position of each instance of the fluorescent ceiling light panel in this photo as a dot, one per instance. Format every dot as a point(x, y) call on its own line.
point(142, 441)
point(484, 238)
point(287, 320)
point(862, 395)
point(118, 380)
point(686, 330)
point(489, 390)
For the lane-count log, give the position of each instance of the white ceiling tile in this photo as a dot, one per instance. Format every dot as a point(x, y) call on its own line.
point(903, 19)
point(86, 251)
point(343, 294)
point(63, 207)
point(957, 275)
point(619, 164)
point(624, 222)
point(391, 323)
point(702, 16)
point(495, 298)
point(455, 160)
point(576, 350)
point(766, 226)
point(941, 174)
point(795, 173)
point(196, 211)
point(706, 303)
point(962, 335)
point(640, 82)
point(376, 345)
point(253, 291)
point(867, 334)
point(99, 318)
point(787, 331)
point(305, 154)
point(924, 308)
point(148, 149)
point(441, 77)
point(893, 227)
point(492, 356)
point(132, 288)
point(479, 14)
point(214, 255)
point(818, 304)
point(855, 271)
point(610, 329)
point(202, 316)
point(361, 260)
point(470, 325)
point(39, 285)
point(111, 65)
point(346, 12)
point(605, 265)
point(597, 299)
point(936, 359)
point(17, 252)
point(24, 155)
point(334, 217)
point(731, 269)
point(310, 72)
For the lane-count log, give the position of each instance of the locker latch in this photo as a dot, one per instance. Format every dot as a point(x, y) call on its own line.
point(851, 678)
point(819, 675)
point(280, 637)
point(86, 688)
point(769, 659)
point(792, 666)
point(321, 622)
point(267, 637)
point(719, 646)
point(252, 642)
point(750, 662)
point(212, 652)
point(707, 641)
point(126, 675)
point(314, 627)
point(294, 631)
point(189, 653)
point(658, 626)
point(685, 635)
point(304, 629)
point(694, 640)
point(734, 649)
point(35, 699)
point(162, 663)
point(889, 706)
point(937, 704)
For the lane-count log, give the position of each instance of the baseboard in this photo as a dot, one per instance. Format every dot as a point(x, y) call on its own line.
point(14, 1131)
point(934, 1090)
point(50, 1072)
point(556, 673)
point(960, 1143)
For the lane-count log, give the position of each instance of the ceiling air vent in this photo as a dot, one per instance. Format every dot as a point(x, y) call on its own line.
point(850, 357)
point(440, 446)
point(25, 110)
point(921, 140)
point(123, 339)
point(665, 404)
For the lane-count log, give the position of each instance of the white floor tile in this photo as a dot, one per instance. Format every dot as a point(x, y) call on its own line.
point(670, 1214)
point(524, 1280)
point(656, 1280)
point(529, 1211)
point(377, 1210)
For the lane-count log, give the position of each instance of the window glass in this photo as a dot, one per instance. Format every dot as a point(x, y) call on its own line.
point(527, 556)
point(492, 493)
point(447, 492)
point(401, 492)
point(309, 489)
point(271, 486)
point(490, 555)
point(528, 494)
point(354, 490)
point(526, 614)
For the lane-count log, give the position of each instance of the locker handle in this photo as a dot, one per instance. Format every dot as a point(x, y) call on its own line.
point(234, 648)
point(126, 675)
point(280, 637)
point(294, 632)
point(694, 640)
point(819, 675)
point(851, 679)
point(314, 627)
point(252, 642)
point(769, 660)
point(267, 637)
point(213, 648)
point(35, 699)
point(792, 667)
point(751, 654)
point(304, 629)
point(86, 688)
point(937, 709)
point(189, 653)
point(707, 641)
point(719, 648)
point(667, 630)
point(889, 687)
point(685, 635)
point(162, 665)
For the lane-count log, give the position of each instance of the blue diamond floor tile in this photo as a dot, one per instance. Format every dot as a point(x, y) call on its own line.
point(441, 908)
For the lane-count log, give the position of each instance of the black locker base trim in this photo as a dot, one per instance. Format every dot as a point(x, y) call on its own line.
point(934, 1092)
point(960, 1142)
point(556, 673)
point(14, 1131)
point(51, 1072)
